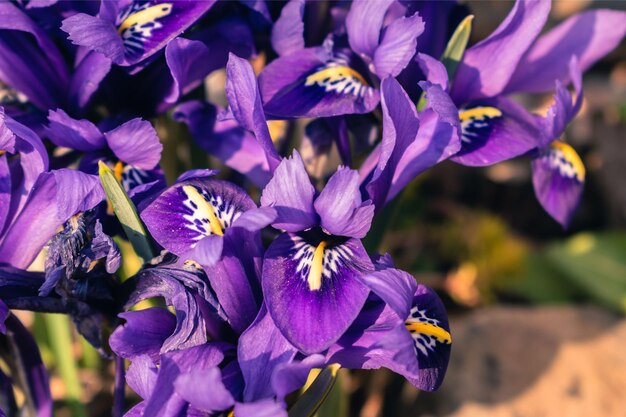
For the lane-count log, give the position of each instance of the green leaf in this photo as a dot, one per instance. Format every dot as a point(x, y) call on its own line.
point(453, 53)
point(456, 46)
point(311, 400)
point(126, 213)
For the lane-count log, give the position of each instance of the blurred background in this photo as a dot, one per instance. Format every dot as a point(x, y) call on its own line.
point(536, 312)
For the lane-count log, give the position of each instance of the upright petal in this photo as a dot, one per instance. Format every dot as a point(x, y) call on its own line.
point(245, 103)
point(364, 24)
point(135, 143)
point(288, 31)
point(291, 193)
point(589, 36)
point(487, 67)
point(339, 205)
point(81, 135)
point(311, 288)
point(144, 333)
point(397, 45)
point(86, 79)
point(558, 179)
point(97, 34)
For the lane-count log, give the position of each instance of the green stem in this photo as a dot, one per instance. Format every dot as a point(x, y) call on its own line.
point(60, 337)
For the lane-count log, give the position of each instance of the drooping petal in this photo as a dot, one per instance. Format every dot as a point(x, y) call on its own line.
point(57, 195)
point(313, 83)
point(261, 349)
point(364, 23)
point(189, 211)
point(397, 45)
point(81, 135)
point(135, 143)
point(225, 140)
point(558, 179)
point(589, 36)
point(245, 103)
point(312, 292)
point(291, 193)
point(30, 62)
point(494, 131)
point(339, 205)
point(394, 287)
point(144, 333)
point(288, 31)
point(204, 389)
point(487, 67)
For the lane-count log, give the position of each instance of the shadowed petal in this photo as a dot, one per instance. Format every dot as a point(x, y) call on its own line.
point(364, 23)
point(288, 31)
point(81, 135)
point(87, 78)
point(397, 45)
point(313, 295)
point(136, 143)
point(144, 333)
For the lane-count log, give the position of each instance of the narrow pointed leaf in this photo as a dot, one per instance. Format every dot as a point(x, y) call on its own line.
point(126, 212)
point(309, 402)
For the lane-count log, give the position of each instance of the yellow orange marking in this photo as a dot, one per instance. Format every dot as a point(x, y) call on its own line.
point(317, 267)
point(440, 334)
point(2, 152)
point(572, 157)
point(479, 113)
point(333, 73)
point(206, 208)
point(118, 169)
point(146, 15)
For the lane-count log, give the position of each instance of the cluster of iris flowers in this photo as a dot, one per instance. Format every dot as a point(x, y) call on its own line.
point(259, 291)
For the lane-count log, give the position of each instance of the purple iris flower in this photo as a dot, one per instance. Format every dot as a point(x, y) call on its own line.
point(130, 32)
point(215, 224)
point(338, 77)
point(33, 207)
point(132, 149)
point(311, 272)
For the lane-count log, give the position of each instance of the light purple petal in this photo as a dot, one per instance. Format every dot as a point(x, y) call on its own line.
point(433, 69)
point(394, 287)
point(291, 193)
point(313, 315)
point(207, 251)
point(136, 143)
point(96, 34)
point(288, 31)
point(81, 135)
point(196, 174)
point(204, 389)
point(245, 103)
point(144, 333)
point(589, 36)
point(262, 408)
point(141, 376)
point(397, 45)
point(364, 23)
point(291, 376)
point(46, 209)
point(340, 208)
point(558, 179)
point(7, 137)
point(256, 219)
point(489, 138)
point(487, 67)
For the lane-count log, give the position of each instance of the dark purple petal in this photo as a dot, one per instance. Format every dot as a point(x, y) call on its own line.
point(135, 143)
point(204, 389)
point(189, 211)
point(141, 376)
point(144, 333)
point(558, 179)
point(87, 78)
point(364, 23)
point(245, 103)
point(29, 60)
point(5, 190)
point(225, 140)
point(397, 45)
point(494, 131)
point(81, 135)
point(487, 67)
point(46, 209)
point(261, 349)
point(339, 205)
point(196, 173)
point(589, 36)
point(102, 246)
point(291, 193)
point(394, 287)
point(4, 313)
point(313, 83)
point(312, 292)
point(7, 137)
point(291, 376)
point(288, 31)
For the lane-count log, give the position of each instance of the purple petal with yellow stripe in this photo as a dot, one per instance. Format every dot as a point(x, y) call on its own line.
point(494, 131)
point(558, 179)
point(311, 287)
point(314, 82)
